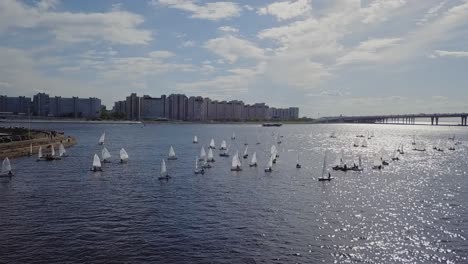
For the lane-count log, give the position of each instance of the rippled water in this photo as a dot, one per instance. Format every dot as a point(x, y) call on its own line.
point(413, 211)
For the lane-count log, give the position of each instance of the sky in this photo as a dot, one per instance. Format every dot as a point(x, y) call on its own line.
point(350, 57)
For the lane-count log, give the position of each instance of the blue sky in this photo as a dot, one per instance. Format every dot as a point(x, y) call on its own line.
point(326, 57)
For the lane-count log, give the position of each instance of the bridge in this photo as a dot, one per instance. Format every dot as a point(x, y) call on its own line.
point(394, 119)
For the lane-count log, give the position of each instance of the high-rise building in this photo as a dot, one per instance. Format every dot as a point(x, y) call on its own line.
point(15, 105)
point(41, 104)
point(132, 104)
point(120, 107)
point(195, 108)
point(153, 107)
point(44, 105)
point(178, 104)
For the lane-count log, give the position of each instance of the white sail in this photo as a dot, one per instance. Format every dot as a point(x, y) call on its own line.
point(342, 161)
point(163, 169)
point(96, 161)
point(233, 135)
point(270, 162)
point(212, 143)
point(102, 138)
point(210, 155)
point(385, 156)
point(195, 139)
point(254, 159)
point(196, 163)
point(273, 150)
point(223, 145)
point(202, 153)
point(324, 167)
point(39, 153)
point(52, 150)
point(123, 155)
point(171, 152)
point(377, 161)
point(236, 161)
point(106, 154)
point(245, 150)
point(6, 166)
point(62, 150)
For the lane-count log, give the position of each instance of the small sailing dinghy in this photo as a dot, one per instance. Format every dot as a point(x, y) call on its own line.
point(172, 155)
point(102, 139)
point(419, 147)
point(6, 168)
point(163, 175)
point(377, 162)
point(414, 140)
point(395, 155)
point(202, 154)
point(30, 150)
point(356, 143)
point(123, 155)
point(324, 169)
point(278, 139)
point(384, 157)
point(197, 170)
point(269, 167)
point(364, 143)
point(212, 144)
point(96, 164)
point(106, 156)
point(51, 156)
point(225, 153)
point(223, 145)
point(246, 155)
point(236, 164)
point(210, 157)
point(39, 154)
point(357, 167)
point(195, 140)
point(333, 135)
point(62, 151)
point(205, 164)
point(298, 165)
point(253, 162)
point(233, 135)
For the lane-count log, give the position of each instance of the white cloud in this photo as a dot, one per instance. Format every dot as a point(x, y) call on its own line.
point(379, 10)
point(287, 10)
point(367, 50)
point(228, 29)
point(209, 11)
point(431, 13)
point(455, 54)
point(188, 44)
point(232, 48)
point(114, 26)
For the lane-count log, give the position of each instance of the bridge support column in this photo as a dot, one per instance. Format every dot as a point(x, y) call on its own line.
point(437, 121)
point(463, 118)
point(432, 120)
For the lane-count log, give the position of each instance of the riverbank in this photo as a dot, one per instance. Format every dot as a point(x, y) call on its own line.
point(17, 149)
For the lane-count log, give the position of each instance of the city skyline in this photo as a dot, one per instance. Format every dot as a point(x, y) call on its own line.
point(326, 57)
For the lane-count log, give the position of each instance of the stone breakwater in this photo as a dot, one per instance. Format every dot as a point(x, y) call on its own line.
point(21, 148)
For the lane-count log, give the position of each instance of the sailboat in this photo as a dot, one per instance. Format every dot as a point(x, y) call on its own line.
point(395, 155)
point(377, 162)
point(298, 165)
point(245, 141)
point(356, 143)
point(246, 155)
point(106, 155)
point(62, 151)
point(414, 140)
point(39, 154)
point(195, 140)
point(236, 164)
point(96, 164)
point(233, 135)
point(324, 169)
point(163, 175)
point(253, 162)
point(385, 158)
point(6, 168)
point(30, 150)
point(197, 170)
point(225, 153)
point(278, 139)
point(419, 147)
point(340, 164)
point(269, 167)
point(212, 144)
point(205, 164)
point(360, 135)
point(333, 135)
point(451, 147)
point(202, 154)
point(210, 157)
point(102, 138)
point(172, 155)
point(401, 150)
point(440, 147)
point(364, 143)
point(51, 156)
point(223, 145)
point(359, 166)
point(123, 155)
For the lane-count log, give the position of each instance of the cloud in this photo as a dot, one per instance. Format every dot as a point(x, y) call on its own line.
point(228, 29)
point(367, 50)
point(454, 54)
point(287, 10)
point(115, 26)
point(232, 48)
point(379, 10)
point(209, 11)
point(188, 44)
point(431, 13)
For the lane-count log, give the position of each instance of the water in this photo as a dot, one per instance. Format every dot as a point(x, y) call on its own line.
point(413, 211)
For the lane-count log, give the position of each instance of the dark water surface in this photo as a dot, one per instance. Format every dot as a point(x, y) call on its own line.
point(413, 211)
